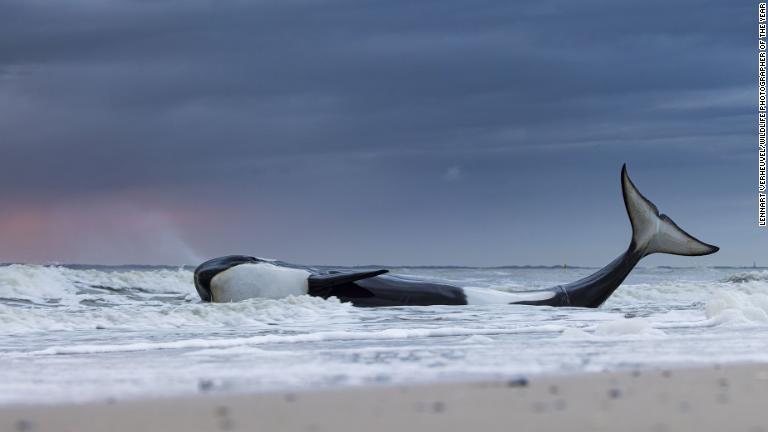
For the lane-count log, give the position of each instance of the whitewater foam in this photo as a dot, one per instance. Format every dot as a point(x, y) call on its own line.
point(58, 284)
point(750, 276)
point(735, 307)
point(256, 313)
point(389, 334)
point(635, 327)
point(72, 330)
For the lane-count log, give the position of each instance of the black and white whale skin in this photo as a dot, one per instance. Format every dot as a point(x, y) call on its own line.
point(237, 277)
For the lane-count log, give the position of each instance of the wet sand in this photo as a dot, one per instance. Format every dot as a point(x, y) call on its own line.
point(715, 398)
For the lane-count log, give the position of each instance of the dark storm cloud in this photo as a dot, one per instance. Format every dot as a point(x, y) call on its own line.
point(281, 100)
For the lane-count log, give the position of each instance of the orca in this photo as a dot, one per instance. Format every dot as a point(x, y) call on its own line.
point(238, 277)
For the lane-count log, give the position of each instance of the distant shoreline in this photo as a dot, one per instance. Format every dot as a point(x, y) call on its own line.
point(366, 266)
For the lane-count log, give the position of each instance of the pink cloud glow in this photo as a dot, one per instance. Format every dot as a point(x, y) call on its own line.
point(97, 232)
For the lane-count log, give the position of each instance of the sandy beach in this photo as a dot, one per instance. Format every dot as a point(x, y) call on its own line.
point(714, 398)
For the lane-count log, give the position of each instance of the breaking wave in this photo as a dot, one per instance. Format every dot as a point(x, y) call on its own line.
point(44, 298)
point(37, 298)
point(58, 284)
point(750, 276)
point(388, 334)
point(247, 314)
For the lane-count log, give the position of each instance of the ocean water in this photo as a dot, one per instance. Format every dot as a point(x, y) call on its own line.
point(73, 334)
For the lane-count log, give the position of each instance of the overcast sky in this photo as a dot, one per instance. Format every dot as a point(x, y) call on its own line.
point(351, 132)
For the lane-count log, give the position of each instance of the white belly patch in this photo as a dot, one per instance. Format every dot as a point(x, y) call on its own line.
point(484, 296)
point(258, 280)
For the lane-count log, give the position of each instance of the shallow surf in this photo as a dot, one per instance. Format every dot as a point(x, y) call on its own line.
point(93, 333)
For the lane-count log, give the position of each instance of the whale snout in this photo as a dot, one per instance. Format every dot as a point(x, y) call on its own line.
point(206, 271)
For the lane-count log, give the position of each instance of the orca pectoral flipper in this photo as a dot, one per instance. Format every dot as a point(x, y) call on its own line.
point(339, 284)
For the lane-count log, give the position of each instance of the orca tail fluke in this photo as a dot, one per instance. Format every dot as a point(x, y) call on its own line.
point(653, 232)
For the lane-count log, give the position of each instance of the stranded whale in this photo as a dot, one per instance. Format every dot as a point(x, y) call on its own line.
point(237, 277)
